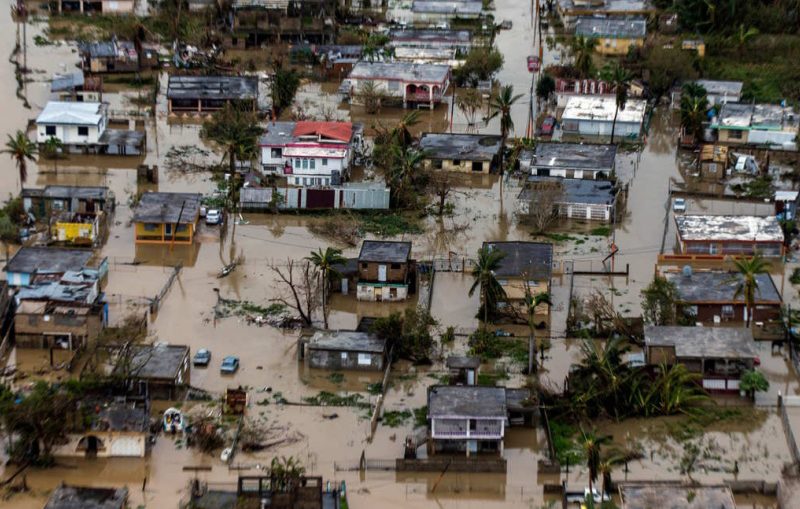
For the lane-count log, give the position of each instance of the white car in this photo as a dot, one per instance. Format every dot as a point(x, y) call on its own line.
point(679, 205)
point(442, 25)
point(213, 216)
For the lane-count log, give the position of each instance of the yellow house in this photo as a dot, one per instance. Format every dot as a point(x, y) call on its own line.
point(465, 153)
point(525, 268)
point(166, 218)
point(615, 35)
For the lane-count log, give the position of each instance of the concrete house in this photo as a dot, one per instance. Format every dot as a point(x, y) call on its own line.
point(95, 6)
point(162, 218)
point(31, 264)
point(465, 153)
point(386, 271)
point(434, 11)
point(570, 160)
point(311, 154)
point(468, 419)
point(66, 312)
point(157, 371)
point(256, 22)
point(83, 127)
point(116, 428)
point(571, 10)
point(459, 40)
point(710, 298)
point(463, 369)
point(717, 91)
point(76, 214)
point(594, 116)
point(115, 56)
point(415, 84)
point(73, 497)
point(720, 355)
point(344, 350)
point(729, 235)
point(350, 195)
point(75, 87)
point(590, 200)
point(757, 124)
point(202, 94)
point(525, 265)
point(615, 35)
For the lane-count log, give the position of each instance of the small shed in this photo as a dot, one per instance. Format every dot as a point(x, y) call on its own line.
point(343, 350)
point(158, 371)
point(463, 369)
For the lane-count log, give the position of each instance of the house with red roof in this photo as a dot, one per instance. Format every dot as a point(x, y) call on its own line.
point(310, 154)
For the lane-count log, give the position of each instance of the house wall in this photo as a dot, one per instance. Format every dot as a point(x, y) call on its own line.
point(35, 330)
point(71, 232)
point(68, 134)
point(158, 233)
point(766, 249)
point(117, 6)
point(115, 444)
point(615, 46)
point(660, 354)
point(734, 313)
point(18, 278)
point(732, 136)
point(515, 297)
point(373, 292)
point(570, 173)
point(600, 127)
point(585, 211)
point(461, 166)
point(764, 137)
point(395, 273)
point(338, 359)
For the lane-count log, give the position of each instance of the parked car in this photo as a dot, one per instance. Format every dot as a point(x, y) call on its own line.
point(230, 365)
point(202, 357)
point(213, 216)
point(548, 125)
point(442, 25)
point(533, 63)
point(679, 205)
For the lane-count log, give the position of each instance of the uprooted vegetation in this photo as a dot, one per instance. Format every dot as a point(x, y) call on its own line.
point(275, 314)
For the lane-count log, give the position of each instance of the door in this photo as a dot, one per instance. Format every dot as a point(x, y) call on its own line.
point(382, 273)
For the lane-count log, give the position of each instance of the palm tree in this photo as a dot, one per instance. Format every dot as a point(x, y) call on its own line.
point(743, 35)
point(693, 112)
point(501, 105)
point(620, 79)
point(52, 147)
point(592, 445)
point(21, 149)
point(582, 49)
point(401, 173)
point(286, 473)
point(604, 469)
point(326, 262)
point(469, 100)
point(401, 133)
point(747, 281)
point(483, 272)
point(675, 390)
point(531, 303)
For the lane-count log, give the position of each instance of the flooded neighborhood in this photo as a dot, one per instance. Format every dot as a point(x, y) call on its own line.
point(430, 253)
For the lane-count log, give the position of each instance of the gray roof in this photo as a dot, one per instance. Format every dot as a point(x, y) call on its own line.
point(384, 251)
point(584, 191)
point(74, 286)
point(462, 362)
point(696, 342)
point(79, 497)
point(122, 415)
point(70, 81)
point(467, 147)
point(675, 496)
point(720, 287)
point(466, 401)
point(532, 259)
point(157, 361)
point(349, 341)
point(574, 156)
point(68, 192)
point(402, 71)
point(122, 137)
point(459, 37)
point(729, 228)
point(717, 87)
point(278, 133)
point(166, 208)
point(757, 116)
point(213, 87)
point(618, 28)
point(455, 7)
point(45, 260)
point(108, 49)
point(608, 6)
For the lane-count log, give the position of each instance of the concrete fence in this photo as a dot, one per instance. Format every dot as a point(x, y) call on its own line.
point(783, 402)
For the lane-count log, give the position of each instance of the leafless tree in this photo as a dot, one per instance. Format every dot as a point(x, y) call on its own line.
point(441, 186)
point(543, 199)
point(302, 292)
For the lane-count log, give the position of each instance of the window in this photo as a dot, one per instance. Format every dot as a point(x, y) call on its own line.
point(297, 163)
point(456, 162)
point(50, 130)
point(276, 153)
point(344, 356)
point(151, 227)
point(324, 161)
point(727, 310)
point(305, 164)
point(395, 266)
point(364, 265)
point(364, 359)
point(312, 163)
point(735, 134)
point(690, 311)
point(437, 164)
point(393, 86)
point(306, 181)
point(83, 131)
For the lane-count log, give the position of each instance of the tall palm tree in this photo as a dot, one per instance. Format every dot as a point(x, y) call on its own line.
point(592, 445)
point(747, 281)
point(401, 174)
point(620, 79)
point(693, 112)
point(604, 469)
point(501, 105)
point(401, 133)
point(52, 147)
point(21, 149)
point(483, 270)
point(326, 262)
point(582, 49)
point(532, 302)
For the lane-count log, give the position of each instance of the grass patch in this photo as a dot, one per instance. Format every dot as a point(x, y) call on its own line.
point(491, 379)
point(564, 443)
point(336, 378)
point(130, 80)
point(559, 237)
point(421, 416)
point(388, 225)
point(325, 398)
point(489, 347)
point(375, 388)
point(795, 277)
point(396, 418)
point(601, 231)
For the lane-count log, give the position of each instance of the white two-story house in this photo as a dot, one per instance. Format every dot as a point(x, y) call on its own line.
point(74, 123)
point(467, 418)
point(310, 154)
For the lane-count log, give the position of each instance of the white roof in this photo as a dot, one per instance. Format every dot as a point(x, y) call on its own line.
point(328, 152)
point(71, 113)
point(729, 228)
point(786, 195)
point(586, 107)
